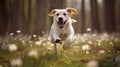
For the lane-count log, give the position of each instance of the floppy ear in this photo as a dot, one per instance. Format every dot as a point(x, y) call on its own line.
point(72, 11)
point(52, 13)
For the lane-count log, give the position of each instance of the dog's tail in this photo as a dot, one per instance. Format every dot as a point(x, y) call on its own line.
point(73, 20)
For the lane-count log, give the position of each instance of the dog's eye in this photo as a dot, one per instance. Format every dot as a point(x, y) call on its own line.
point(57, 14)
point(64, 13)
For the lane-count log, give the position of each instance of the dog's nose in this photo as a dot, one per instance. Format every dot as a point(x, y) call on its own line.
point(60, 18)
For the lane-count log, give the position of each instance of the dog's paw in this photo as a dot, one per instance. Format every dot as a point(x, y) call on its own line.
point(57, 40)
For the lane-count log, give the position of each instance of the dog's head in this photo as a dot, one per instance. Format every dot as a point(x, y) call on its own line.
point(61, 16)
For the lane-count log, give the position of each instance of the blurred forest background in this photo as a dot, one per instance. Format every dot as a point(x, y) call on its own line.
point(25, 23)
point(31, 16)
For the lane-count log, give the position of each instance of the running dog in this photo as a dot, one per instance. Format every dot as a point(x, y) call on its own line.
point(62, 29)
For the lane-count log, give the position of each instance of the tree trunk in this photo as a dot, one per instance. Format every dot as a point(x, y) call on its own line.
point(40, 17)
point(3, 17)
point(29, 16)
point(118, 15)
point(16, 11)
point(23, 23)
point(87, 15)
point(101, 16)
point(94, 16)
point(83, 16)
point(110, 16)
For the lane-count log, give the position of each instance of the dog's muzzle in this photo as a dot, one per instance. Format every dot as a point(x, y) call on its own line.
point(61, 23)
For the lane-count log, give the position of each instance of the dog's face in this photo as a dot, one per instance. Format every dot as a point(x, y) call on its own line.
point(61, 16)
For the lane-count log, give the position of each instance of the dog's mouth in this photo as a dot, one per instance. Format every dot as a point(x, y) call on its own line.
point(61, 24)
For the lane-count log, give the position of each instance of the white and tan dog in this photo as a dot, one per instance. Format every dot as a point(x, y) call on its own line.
point(62, 29)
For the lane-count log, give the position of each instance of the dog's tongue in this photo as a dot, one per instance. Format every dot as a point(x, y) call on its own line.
point(61, 25)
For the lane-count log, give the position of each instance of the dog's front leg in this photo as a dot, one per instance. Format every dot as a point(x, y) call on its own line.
point(55, 48)
point(56, 40)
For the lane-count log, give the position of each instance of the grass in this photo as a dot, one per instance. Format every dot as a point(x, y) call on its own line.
point(36, 51)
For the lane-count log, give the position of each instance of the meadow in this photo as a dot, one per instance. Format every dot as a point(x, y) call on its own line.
point(17, 50)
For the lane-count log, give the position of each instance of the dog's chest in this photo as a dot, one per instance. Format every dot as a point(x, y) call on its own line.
point(63, 34)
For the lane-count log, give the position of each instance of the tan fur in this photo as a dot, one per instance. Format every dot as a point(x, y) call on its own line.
point(72, 10)
point(52, 13)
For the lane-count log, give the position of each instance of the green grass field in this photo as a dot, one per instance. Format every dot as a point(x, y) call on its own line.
point(35, 51)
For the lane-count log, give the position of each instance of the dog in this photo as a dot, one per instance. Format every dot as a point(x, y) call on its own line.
point(62, 29)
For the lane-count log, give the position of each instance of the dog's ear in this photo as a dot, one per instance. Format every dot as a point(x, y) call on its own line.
point(72, 11)
point(52, 13)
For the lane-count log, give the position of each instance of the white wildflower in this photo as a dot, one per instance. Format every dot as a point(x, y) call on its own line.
point(38, 42)
point(34, 35)
point(111, 43)
point(85, 37)
point(90, 42)
point(101, 51)
point(12, 47)
point(85, 47)
point(98, 44)
point(76, 47)
point(16, 62)
point(75, 37)
point(104, 36)
point(99, 41)
point(11, 34)
point(33, 53)
point(94, 34)
point(43, 32)
point(87, 52)
point(48, 38)
point(18, 31)
point(50, 48)
point(44, 44)
point(85, 34)
point(88, 29)
point(31, 45)
point(52, 44)
point(109, 50)
point(23, 42)
point(92, 63)
point(48, 43)
point(76, 42)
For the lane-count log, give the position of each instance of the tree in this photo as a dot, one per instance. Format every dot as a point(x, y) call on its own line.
point(110, 16)
point(83, 16)
point(3, 17)
point(94, 16)
point(15, 15)
point(118, 15)
point(40, 17)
